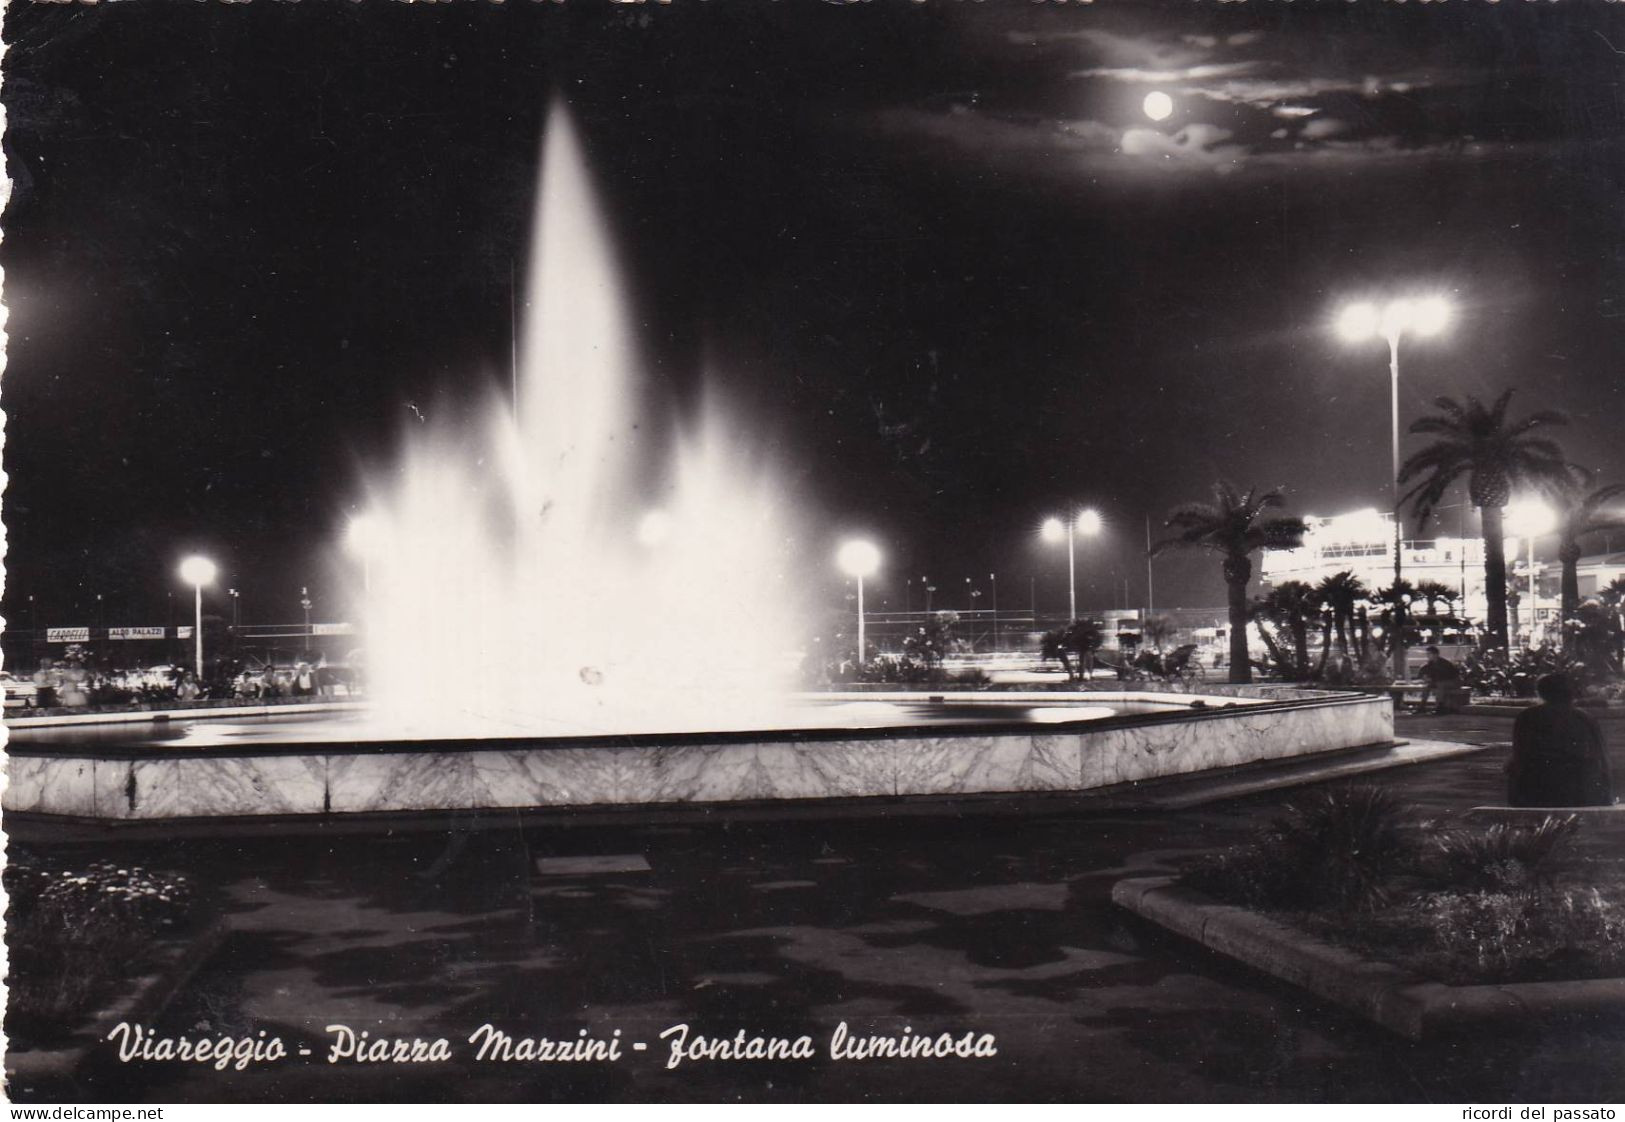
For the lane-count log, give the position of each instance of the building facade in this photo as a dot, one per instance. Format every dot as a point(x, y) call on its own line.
point(1363, 543)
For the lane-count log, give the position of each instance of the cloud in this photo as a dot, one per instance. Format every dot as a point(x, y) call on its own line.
point(1323, 128)
point(1247, 102)
point(1198, 73)
point(1198, 144)
point(1111, 49)
point(1070, 148)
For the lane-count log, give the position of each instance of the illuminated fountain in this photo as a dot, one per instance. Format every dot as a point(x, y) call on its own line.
point(567, 573)
point(548, 574)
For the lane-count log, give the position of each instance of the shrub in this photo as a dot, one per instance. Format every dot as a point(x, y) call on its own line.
point(1501, 936)
point(75, 934)
point(140, 899)
point(1338, 849)
point(1502, 857)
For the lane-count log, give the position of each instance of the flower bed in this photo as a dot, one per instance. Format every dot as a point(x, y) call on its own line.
point(1463, 906)
point(77, 935)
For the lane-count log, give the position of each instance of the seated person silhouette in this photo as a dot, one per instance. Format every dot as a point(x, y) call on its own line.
point(1559, 756)
point(1438, 674)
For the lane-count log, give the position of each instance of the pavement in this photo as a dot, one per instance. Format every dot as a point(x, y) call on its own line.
point(943, 919)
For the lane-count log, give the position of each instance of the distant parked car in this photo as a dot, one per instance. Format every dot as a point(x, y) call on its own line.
point(20, 692)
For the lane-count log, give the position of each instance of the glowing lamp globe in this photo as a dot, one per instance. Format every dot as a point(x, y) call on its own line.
point(858, 558)
point(197, 571)
point(1358, 322)
point(1054, 530)
point(1089, 522)
point(1530, 518)
point(1430, 316)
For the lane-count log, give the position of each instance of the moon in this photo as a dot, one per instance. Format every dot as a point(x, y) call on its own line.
point(1158, 105)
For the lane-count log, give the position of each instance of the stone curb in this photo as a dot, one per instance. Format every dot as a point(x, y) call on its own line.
point(1489, 709)
point(145, 999)
point(1395, 998)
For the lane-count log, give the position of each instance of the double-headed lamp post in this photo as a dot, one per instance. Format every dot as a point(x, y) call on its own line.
point(859, 559)
point(197, 572)
point(1084, 522)
point(1362, 321)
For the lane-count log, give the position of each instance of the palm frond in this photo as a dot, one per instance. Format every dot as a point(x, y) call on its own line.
point(1497, 412)
point(1537, 420)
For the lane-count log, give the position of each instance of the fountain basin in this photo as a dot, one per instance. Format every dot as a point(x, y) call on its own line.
point(329, 767)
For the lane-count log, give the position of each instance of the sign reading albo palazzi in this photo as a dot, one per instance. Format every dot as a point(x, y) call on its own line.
point(82, 634)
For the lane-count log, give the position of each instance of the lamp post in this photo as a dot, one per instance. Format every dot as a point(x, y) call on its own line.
point(993, 583)
point(858, 558)
point(975, 595)
point(197, 572)
point(1359, 322)
point(929, 589)
point(304, 602)
point(1530, 519)
point(1085, 521)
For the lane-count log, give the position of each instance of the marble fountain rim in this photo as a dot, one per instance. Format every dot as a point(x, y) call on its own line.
point(339, 745)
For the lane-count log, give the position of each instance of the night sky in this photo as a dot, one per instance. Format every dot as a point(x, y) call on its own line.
point(934, 250)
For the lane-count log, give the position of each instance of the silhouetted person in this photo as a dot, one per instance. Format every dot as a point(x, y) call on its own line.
point(1559, 757)
point(1438, 675)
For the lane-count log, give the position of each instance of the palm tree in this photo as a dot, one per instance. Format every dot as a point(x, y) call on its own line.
point(1081, 638)
point(1234, 525)
point(1432, 592)
point(1581, 512)
point(1494, 455)
point(1613, 593)
point(1289, 607)
point(1342, 592)
point(1395, 602)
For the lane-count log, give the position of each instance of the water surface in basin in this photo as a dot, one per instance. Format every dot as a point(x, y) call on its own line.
point(843, 713)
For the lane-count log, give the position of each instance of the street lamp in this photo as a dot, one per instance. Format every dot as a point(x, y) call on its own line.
point(197, 572)
point(859, 559)
point(1362, 321)
point(304, 602)
point(1084, 522)
point(1530, 519)
point(993, 582)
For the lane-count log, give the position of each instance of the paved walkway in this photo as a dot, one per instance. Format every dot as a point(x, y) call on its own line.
point(953, 921)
